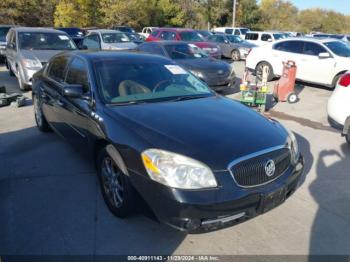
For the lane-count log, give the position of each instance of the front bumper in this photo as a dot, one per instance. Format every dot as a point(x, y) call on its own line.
point(231, 83)
point(200, 211)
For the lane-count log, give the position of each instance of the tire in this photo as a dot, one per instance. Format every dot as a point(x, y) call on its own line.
point(235, 55)
point(347, 137)
point(117, 191)
point(292, 98)
point(22, 85)
point(259, 70)
point(40, 119)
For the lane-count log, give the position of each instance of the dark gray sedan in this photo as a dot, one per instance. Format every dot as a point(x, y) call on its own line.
point(232, 46)
point(219, 75)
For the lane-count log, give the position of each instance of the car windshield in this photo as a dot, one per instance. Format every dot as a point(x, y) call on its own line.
point(278, 36)
point(127, 82)
point(191, 36)
point(185, 51)
point(244, 31)
point(3, 33)
point(204, 33)
point(112, 38)
point(45, 41)
point(339, 48)
point(235, 39)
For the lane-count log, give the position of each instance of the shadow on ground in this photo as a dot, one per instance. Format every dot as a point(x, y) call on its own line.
point(50, 203)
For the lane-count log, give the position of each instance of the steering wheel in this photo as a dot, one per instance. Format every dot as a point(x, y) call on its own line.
point(161, 84)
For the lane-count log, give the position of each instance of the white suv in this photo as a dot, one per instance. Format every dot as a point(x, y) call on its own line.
point(319, 61)
point(240, 31)
point(263, 38)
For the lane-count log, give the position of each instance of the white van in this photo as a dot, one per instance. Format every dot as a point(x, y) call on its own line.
point(240, 31)
point(262, 38)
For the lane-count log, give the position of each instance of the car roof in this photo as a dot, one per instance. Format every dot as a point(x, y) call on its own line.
point(309, 39)
point(177, 29)
point(125, 56)
point(37, 29)
point(165, 43)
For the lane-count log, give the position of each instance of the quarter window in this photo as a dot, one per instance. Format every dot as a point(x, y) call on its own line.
point(78, 74)
point(57, 68)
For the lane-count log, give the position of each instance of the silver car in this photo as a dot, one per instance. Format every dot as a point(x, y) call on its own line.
point(232, 46)
point(29, 49)
point(105, 39)
point(3, 32)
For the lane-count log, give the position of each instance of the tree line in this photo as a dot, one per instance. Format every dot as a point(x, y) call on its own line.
point(259, 15)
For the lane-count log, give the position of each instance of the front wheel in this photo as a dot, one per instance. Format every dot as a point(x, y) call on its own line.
point(292, 98)
point(235, 55)
point(260, 69)
point(118, 193)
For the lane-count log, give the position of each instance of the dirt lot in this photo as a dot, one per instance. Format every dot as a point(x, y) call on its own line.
point(50, 201)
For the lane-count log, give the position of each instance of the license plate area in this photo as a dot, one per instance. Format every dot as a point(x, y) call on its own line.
point(273, 199)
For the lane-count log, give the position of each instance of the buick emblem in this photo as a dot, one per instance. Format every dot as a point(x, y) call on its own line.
point(270, 168)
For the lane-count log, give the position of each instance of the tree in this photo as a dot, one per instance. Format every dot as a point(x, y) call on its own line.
point(248, 14)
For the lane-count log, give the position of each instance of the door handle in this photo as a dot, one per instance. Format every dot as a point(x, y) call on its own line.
point(60, 103)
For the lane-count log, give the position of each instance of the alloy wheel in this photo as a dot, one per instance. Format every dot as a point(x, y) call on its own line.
point(112, 182)
point(37, 112)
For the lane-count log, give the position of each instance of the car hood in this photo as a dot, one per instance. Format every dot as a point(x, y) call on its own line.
point(214, 130)
point(204, 64)
point(41, 55)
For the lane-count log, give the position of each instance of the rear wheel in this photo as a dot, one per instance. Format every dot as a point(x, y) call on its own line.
point(235, 55)
point(40, 120)
point(260, 69)
point(117, 191)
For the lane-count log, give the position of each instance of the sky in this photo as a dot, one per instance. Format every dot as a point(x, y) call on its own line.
point(342, 6)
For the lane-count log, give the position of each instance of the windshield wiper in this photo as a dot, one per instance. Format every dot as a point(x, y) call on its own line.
point(127, 103)
point(183, 98)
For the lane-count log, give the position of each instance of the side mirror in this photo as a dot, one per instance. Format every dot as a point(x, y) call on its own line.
point(73, 91)
point(324, 55)
point(10, 46)
point(269, 40)
point(227, 42)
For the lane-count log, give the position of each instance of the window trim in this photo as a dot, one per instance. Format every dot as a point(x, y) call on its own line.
point(65, 69)
point(88, 73)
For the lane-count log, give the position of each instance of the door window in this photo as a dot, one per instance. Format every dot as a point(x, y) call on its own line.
point(290, 46)
point(77, 73)
point(251, 36)
point(166, 35)
point(220, 39)
point(266, 37)
point(237, 32)
point(313, 49)
point(229, 31)
point(92, 41)
point(57, 68)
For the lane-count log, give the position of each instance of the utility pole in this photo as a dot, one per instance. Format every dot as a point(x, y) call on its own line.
point(234, 13)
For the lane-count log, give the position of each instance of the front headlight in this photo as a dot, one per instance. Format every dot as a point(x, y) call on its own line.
point(29, 63)
point(197, 74)
point(176, 170)
point(293, 145)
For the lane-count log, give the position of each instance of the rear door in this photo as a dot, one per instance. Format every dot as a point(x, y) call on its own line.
point(51, 91)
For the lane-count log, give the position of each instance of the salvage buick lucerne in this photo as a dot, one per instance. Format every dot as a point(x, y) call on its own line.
point(199, 160)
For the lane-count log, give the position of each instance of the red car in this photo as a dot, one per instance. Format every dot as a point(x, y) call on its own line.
point(187, 35)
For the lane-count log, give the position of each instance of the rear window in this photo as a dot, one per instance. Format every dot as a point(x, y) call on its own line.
point(251, 36)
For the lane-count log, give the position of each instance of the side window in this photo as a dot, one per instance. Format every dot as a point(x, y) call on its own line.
point(221, 39)
point(166, 35)
point(77, 73)
point(251, 36)
point(148, 31)
point(155, 33)
point(237, 32)
point(57, 68)
point(212, 38)
point(266, 37)
point(229, 31)
point(92, 42)
point(313, 49)
point(152, 49)
point(290, 46)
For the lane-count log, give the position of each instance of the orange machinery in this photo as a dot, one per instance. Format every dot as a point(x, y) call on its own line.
point(284, 89)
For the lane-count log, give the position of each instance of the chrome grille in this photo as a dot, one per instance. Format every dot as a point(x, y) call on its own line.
point(251, 172)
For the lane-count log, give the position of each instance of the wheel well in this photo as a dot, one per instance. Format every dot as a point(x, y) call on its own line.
point(336, 77)
point(272, 72)
point(99, 144)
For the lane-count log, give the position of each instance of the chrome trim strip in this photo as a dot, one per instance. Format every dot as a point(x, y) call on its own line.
point(224, 219)
point(255, 154)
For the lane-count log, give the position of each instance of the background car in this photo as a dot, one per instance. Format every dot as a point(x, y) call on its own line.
point(239, 31)
point(187, 35)
point(146, 31)
point(262, 38)
point(204, 33)
point(154, 133)
point(339, 107)
point(106, 39)
point(319, 61)
point(135, 38)
point(3, 32)
point(218, 74)
point(29, 49)
point(126, 29)
point(232, 46)
point(75, 33)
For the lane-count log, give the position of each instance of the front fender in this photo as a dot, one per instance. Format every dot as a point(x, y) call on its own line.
point(346, 128)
